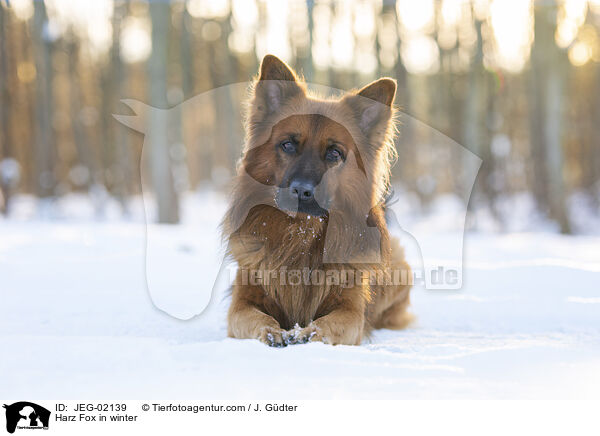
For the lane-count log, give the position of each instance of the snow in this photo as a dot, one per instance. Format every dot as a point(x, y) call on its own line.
point(77, 321)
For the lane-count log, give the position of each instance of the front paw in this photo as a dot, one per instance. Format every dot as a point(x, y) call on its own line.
point(310, 333)
point(273, 336)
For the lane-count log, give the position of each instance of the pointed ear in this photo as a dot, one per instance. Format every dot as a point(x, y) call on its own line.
point(382, 90)
point(273, 68)
point(373, 103)
point(277, 83)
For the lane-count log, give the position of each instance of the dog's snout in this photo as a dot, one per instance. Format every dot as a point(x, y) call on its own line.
point(302, 189)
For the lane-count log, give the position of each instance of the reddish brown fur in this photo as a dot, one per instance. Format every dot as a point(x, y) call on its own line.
point(263, 237)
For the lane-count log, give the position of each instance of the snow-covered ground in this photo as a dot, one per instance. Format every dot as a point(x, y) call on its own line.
point(76, 321)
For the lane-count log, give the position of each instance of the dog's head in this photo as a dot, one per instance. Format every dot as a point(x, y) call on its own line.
point(318, 154)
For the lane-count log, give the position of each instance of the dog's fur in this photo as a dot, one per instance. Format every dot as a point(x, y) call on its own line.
point(347, 231)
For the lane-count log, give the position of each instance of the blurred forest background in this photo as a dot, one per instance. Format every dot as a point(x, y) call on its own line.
point(517, 82)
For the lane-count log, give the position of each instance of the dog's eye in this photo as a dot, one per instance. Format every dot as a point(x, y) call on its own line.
point(288, 147)
point(333, 154)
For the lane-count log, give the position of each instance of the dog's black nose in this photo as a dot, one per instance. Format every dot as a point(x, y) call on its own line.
point(302, 189)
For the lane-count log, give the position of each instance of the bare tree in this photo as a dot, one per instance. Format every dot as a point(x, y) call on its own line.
point(76, 105)
point(44, 134)
point(5, 115)
point(158, 135)
point(478, 110)
point(548, 76)
point(594, 183)
point(123, 155)
point(223, 73)
point(187, 65)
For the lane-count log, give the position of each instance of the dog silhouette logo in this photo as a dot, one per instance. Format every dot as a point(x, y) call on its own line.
point(26, 415)
point(169, 256)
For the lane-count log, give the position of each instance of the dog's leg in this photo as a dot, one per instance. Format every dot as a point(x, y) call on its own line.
point(389, 303)
point(344, 324)
point(396, 316)
point(247, 317)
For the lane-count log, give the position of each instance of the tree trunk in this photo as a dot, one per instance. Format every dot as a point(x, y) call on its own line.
point(474, 110)
point(44, 134)
point(5, 128)
point(549, 71)
point(187, 56)
point(123, 153)
point(223, 74)
point(75, 102)
point(157, 132)
point(594, 185)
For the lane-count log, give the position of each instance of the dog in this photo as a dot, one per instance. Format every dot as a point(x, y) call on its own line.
point(307, 223)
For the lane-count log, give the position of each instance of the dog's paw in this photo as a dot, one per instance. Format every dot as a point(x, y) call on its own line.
point(310, 333)
point(273, 336)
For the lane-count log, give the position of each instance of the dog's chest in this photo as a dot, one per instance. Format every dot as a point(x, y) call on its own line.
point(297, 294)
point(295, 268)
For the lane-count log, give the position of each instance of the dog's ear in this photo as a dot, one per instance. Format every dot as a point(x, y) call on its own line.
point(277, 83)
point(373, 103)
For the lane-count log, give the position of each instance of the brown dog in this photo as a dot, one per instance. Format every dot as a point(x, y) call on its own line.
point(306, 224)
